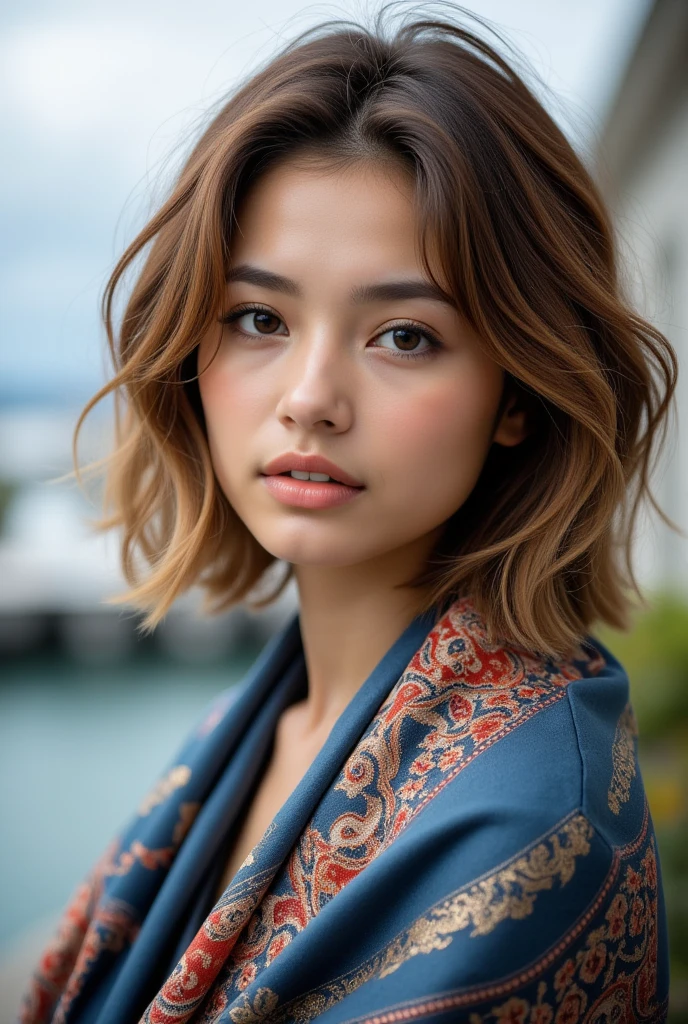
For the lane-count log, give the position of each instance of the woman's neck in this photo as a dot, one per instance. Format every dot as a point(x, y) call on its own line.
point(350, 616)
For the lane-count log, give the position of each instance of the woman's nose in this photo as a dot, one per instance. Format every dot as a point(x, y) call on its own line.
point(317, 386)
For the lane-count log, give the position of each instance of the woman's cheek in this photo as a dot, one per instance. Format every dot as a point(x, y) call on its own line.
point(442, 422)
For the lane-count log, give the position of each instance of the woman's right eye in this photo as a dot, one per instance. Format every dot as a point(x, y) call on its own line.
point(262, 320)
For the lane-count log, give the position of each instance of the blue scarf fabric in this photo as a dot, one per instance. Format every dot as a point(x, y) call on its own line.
point(472, 843)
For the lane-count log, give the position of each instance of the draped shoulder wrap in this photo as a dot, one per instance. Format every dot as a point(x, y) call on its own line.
point(471, 844)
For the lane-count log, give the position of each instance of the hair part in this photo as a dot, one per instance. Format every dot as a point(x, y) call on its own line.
point(543, 544)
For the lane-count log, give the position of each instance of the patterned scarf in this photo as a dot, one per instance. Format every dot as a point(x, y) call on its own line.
point(472, 843)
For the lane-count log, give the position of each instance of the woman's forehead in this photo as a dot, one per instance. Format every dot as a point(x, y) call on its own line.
point(361, 218)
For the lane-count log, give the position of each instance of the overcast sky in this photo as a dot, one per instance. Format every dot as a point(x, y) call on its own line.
point(95, 97)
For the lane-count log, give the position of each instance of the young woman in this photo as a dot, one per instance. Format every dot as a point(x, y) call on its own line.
point(378, 337)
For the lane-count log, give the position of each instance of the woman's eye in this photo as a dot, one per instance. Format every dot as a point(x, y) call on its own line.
point(262, 321)
point(255, 321)
point(407, 337)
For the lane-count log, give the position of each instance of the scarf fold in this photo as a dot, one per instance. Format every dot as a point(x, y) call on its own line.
point(472, 842)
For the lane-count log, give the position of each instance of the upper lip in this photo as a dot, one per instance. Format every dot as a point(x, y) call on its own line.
point(310, 464)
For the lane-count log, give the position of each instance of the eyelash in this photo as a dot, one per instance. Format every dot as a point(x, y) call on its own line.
point(236, 314)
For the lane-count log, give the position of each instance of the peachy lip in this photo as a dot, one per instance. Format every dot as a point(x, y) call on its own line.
point(309, 464)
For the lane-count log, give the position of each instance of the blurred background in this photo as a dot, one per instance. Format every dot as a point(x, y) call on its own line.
point(98, 107)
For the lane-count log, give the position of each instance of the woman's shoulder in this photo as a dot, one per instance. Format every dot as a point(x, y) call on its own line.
point(529, 750)
point(529, 773)
point(552, 734)
point(513, 857)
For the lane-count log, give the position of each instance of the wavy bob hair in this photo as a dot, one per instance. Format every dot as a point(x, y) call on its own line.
point(543, 543)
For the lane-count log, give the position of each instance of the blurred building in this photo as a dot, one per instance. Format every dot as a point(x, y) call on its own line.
point(642, 165)
point(56, 572)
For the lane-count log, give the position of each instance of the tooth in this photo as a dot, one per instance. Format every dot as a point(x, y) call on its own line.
point(300, 474)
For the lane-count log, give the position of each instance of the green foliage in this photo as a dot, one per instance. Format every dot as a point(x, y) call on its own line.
point(655, 655)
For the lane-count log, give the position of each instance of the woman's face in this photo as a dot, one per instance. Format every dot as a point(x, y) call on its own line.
point(394, 390)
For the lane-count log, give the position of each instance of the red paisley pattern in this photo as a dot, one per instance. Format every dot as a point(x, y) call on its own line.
point(57, 963)
point(458, 696)
point(91, 925)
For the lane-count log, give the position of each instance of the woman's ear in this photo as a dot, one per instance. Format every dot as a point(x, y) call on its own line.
point(514, 424)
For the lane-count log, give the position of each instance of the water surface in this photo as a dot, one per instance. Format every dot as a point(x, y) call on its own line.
point(79, 748)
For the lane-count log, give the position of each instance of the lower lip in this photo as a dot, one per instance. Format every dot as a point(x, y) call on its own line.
point(309, 493)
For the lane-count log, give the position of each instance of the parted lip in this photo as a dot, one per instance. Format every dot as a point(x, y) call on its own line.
point(309, 464)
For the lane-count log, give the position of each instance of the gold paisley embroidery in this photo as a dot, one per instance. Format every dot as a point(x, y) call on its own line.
point(463, 694)
point(508, 892)
point(263, 1002)
point(623, 760)
point(612, 976)
point(174, 779)
point(251, 856)
point(151, 858)
point(187, 816)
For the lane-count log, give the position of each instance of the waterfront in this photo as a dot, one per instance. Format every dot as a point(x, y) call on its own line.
point(79, 748)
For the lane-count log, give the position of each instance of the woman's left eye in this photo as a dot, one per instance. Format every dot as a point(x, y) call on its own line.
point(401, 333)
point(404, 334)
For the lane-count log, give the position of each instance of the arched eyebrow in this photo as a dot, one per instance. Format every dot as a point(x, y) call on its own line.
point(384, 291)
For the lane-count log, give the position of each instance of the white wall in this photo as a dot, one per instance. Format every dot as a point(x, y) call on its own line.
point(651, 207)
